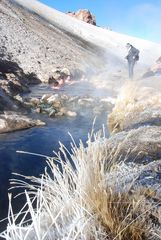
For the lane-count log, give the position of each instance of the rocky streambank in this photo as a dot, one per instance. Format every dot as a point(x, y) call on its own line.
point(135, 145)
point(34, 51)
point(15, 86)
point(135, 124)
point(13, 82)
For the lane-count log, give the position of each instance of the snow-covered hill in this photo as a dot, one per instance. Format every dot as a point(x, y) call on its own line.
point(113, 42)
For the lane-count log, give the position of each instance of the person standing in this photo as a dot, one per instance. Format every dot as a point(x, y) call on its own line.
point(132, 58)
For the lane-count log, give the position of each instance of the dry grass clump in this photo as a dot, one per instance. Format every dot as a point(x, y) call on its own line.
point(81, 203)
point(132, 100)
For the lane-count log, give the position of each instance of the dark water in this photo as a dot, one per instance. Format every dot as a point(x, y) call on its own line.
point(41, 140)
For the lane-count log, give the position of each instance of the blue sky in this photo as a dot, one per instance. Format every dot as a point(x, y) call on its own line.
point(133, 17)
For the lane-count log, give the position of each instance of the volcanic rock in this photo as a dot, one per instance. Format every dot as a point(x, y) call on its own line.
point(132, 178)
point(34, 101)
point(32, 78)
point(133, 120)
point(71, 114)
point(13, 78)
point(140, 145)
point(58, 75)
point(11, 121)
point(84, 15)
point(6, 102)
point(155, 70)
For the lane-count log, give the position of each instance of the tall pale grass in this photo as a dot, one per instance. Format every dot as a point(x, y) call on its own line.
point(132, 99)
point(81, 202)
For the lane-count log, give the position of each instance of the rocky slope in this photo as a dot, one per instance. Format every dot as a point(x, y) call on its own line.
point(37, 45)
point(40, 39)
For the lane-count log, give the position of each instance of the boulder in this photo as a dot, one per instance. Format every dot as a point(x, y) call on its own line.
point(65, 97)
point(32, 78)
point(48, 110)
point(13, 86)
point(58, 75)
point(59, 114)
point(155, 70)
point(49, 98)
point(45, 97)
point(34, 101)
point(15, 80)
point(18, 98)
point(57, 104)
point(132, 120)
point(88, 102)
point(84, 15)
point(52, 99)
point(38, 110)
point(5, 101)
point(71, 113)
point(11, 121)
point(66, 72)
point(140, 145)
point(143, 180)
point(149, 73)
point(63, 110)
point(52, 113)
point(7, 66)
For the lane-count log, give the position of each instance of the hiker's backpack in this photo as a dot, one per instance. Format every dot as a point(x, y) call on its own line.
point(137, 57)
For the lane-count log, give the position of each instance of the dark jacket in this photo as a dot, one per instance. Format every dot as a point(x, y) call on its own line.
point(133, 54)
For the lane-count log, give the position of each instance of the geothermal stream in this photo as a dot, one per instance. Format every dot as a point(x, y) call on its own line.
point(41, 140)
point(134, 121)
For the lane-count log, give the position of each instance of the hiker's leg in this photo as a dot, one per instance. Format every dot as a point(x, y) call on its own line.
point(131, 69)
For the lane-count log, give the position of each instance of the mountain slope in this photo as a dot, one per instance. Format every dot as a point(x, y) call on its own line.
point(37, 45)
point(107, 39)
point(41, 38)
